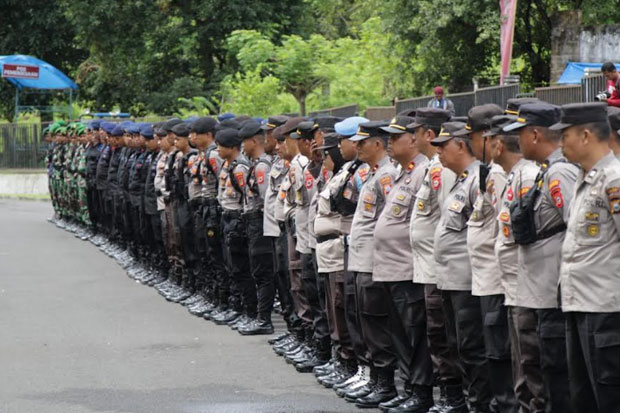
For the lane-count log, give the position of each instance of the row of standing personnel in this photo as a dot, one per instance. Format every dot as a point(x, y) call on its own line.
point(476, 256)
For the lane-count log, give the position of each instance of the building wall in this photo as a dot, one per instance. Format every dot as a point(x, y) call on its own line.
point(570, 41)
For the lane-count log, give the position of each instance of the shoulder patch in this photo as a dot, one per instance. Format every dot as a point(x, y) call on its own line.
point(386, 184)
point(260, 177)
point(240, 179)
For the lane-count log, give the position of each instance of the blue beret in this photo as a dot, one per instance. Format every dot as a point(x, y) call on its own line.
point(108, 126)
point(117, 131)
point(348, 127)
point(225, 116)
point(134, 129)
point(95, 124)
point(147, 132)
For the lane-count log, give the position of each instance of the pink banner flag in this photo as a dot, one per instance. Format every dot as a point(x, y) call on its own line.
point(508, 9)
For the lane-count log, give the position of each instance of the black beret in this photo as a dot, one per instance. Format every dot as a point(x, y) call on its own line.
point(575, 114)
point(205, 124)
point(250, 128)
point(228, 137)
point(181, 130)
point(228, 124)
point(242, 118)
point(275, 121)
point(277, 133)
point(170, 123)
point(160, 132)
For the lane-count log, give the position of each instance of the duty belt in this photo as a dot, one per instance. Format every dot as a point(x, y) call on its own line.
point(255, 214)
point(323, 238)
point(229, 213)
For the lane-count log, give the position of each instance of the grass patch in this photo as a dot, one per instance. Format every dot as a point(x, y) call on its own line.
point(28, 197)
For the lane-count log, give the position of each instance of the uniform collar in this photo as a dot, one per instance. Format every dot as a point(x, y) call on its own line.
point(382, 162)
point(594, 173)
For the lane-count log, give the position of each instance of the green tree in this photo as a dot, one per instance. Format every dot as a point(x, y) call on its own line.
point(39, 29)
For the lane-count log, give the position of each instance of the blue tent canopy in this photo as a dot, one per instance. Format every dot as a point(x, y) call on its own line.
point(49, 76)
point(575, 71)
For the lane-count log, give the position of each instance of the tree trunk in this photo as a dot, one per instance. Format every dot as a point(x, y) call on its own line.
point(302, 105)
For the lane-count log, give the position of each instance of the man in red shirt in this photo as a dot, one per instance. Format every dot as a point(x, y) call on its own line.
point(613, 83)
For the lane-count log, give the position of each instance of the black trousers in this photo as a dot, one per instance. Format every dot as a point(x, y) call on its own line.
point(282, 280)
point(261, 264)
point(184, 231)
point(408, 331)
point(497, 344)
point(374, 311)
point(553, 359)
point(216, 263)
point(464, 318)
point(242, 286)
point(199, 241)
point(447, 367)
point(352, 315)
point(310, 283)
point(593, 342)
point(93, 206)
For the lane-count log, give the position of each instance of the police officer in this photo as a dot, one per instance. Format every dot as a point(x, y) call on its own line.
point(304, 173)
point(330, 260)
point(233, 178)
point(289, 151)
point(589, 272)
point(259, 247)
point(429, 199)
point(482, 229)
point(371, 143)
point(548, 202)
point(153, 233)
point(527, 377)
point(454, 276)
point(405, 323)
point(273, 228)
point(201, 188)
point(343, 200)
point(93, 152)
point(210, 168)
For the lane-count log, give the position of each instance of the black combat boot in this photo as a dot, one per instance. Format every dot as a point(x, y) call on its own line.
point(383, 391)
point(420, 401)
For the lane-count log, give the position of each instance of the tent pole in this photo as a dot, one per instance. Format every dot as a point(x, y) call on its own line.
point(70, 104)
point(16, 104)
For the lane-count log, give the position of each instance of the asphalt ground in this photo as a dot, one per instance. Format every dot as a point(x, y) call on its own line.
point(78, 335)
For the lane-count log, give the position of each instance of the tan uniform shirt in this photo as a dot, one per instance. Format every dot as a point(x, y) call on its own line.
point(195, 185)
point(329, 253)
point(256, 188)
point(453, 266)
point(393, 257)
point(273, 205)
point(429, 200)
point(352, 190)
point(520, 180)
point(229, 197)
point(371, 202)
point(539, 262)
point(298, 179)
point(211, 162)
point(590, 271)
point(481, 235)
point(160, 181)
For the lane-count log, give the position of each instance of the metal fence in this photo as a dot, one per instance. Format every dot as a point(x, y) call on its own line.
point(380, 112)
point(559, 95)
point(592, 85)
point(22, 146)
point(341, 111)
point(464, 101)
